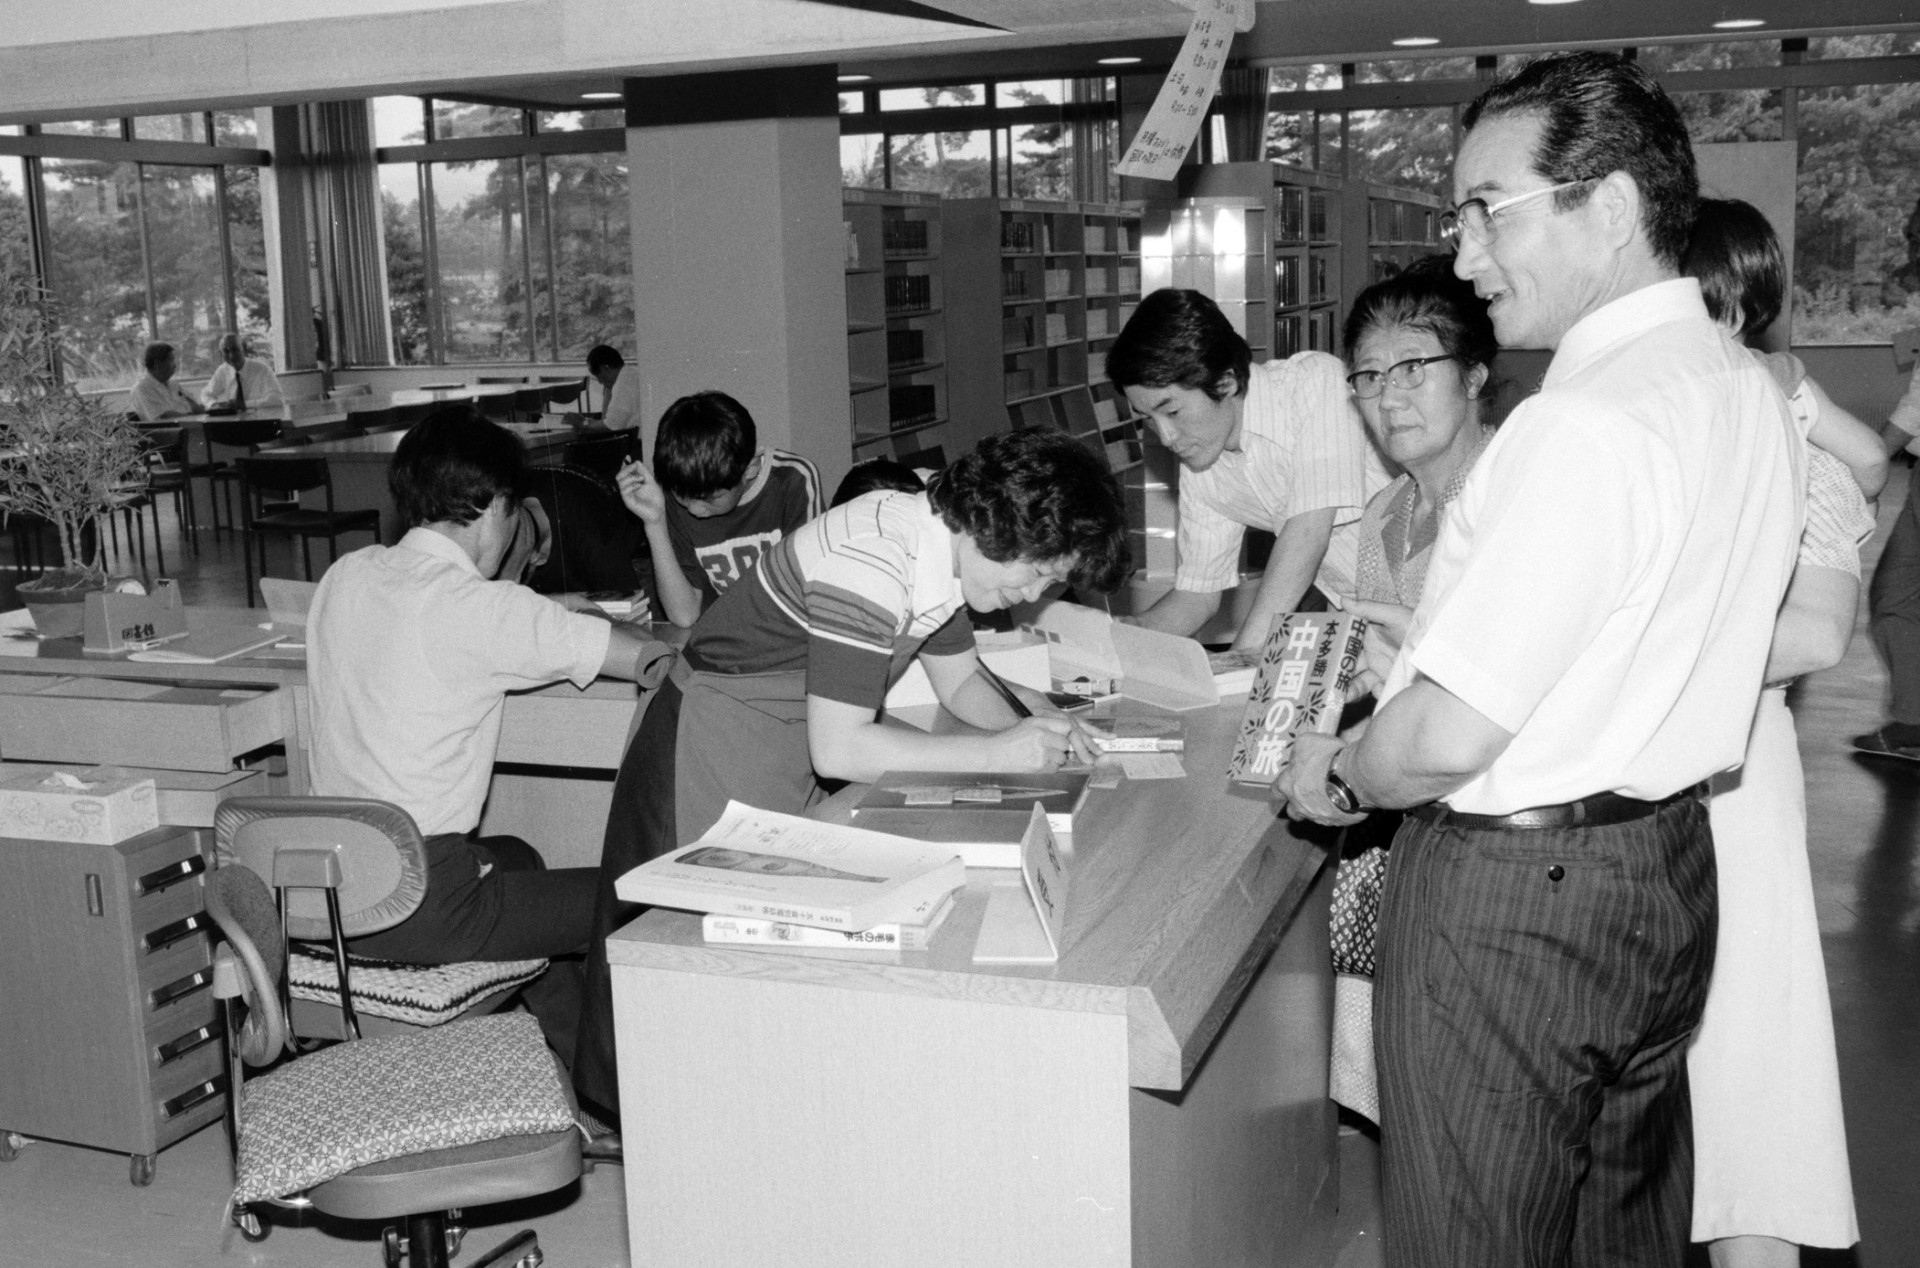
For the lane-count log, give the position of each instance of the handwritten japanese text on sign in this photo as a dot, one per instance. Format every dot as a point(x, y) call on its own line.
point(1171, 125)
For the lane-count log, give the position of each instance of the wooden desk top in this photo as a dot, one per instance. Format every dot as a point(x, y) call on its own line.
point(538, 441)
point(1179, 889)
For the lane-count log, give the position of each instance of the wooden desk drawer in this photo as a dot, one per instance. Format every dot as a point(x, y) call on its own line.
point(96, 720)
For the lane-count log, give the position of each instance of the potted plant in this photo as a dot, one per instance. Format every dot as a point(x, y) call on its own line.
point(64, 458)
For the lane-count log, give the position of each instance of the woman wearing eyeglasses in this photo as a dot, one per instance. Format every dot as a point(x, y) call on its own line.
point(1420, 349)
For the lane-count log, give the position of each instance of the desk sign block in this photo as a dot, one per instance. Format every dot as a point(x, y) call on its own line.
point(124, 622)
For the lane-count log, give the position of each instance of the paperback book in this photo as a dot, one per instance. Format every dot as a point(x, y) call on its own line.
point(1306, 668)
point(770, 866)
point(980, 813)
point(1137, 735)
point(906, 935)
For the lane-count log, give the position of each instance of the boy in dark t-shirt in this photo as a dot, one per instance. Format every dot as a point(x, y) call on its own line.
point(714, 502)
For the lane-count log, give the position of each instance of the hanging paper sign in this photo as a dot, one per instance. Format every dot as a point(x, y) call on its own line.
point(1161, 145)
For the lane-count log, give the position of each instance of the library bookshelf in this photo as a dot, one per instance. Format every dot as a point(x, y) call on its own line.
point(897, 341)
point(1036, 293)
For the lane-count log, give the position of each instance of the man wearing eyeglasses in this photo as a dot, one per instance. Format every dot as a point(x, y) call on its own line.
point(1587, 651)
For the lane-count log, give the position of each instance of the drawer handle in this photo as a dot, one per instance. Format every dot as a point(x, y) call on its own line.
point(196, 1095)
point(171, 874)
point(167, 935)
point(198, 980)
point(199, 1037)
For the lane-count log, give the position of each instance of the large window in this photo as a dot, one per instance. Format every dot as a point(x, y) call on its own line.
point(518, 257)
point(1856, 257)
point(166, 243)
point(1044, 139)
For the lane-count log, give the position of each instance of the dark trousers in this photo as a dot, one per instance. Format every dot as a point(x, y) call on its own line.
point(1535, 996)
point(640, 826)
point(519, 910)
point(1893, 598)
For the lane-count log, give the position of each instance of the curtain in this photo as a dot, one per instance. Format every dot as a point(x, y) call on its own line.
point(346, 201)
point(1243, 106)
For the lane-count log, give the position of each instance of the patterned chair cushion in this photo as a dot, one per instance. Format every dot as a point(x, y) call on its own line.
point(364, 1102)
point(420, 994)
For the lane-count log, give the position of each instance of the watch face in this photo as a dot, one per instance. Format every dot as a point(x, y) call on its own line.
point(1340, 795)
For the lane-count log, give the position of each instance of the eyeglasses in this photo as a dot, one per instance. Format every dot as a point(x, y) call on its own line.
point(1473, 219)
point(1405, 375)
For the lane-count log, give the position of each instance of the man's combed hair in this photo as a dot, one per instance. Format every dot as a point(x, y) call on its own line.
point(155, 354)
point(1735, 255)
point(1179, 339)
point(1038, 496)
point(602, 357)
point(452, 465)
point(1603, 114)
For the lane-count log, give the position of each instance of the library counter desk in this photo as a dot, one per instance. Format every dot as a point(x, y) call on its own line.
point(1158, 1097)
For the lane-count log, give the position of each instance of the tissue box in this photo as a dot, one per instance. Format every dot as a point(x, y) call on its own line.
point(64, 807)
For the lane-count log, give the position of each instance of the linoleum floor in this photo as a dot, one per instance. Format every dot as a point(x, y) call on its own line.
point(61, 1204)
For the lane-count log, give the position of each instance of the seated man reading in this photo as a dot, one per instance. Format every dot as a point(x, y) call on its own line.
point(715, 502)
point(411, 651)
point(241, 382)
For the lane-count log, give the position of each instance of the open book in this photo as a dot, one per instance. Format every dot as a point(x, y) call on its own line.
point(771, 866)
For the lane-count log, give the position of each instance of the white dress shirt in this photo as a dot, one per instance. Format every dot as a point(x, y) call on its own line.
point(1302, 448)
point(623, 403)
point(410, 654)
point(263, 388)
point(1605, 584)
point(151, 399)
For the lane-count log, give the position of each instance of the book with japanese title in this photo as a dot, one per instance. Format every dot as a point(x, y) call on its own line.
point(894, 935)
point(1306, 668)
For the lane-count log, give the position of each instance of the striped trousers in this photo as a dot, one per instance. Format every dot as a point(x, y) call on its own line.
point(1536, 992)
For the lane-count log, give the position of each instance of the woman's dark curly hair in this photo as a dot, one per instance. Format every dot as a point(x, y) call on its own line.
point(1038, 496)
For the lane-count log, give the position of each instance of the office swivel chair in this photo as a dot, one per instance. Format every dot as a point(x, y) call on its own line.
point(411, 1129)
point(343, 868)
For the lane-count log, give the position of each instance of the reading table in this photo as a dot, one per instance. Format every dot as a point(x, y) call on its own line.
point(1157, 1097)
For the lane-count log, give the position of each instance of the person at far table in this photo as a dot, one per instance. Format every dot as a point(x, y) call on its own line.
point(241, 381)
point(1277, 446)
point(156, 395)
point(715, 502)
point(411, 653)
point(622, 409)
point(782, 680)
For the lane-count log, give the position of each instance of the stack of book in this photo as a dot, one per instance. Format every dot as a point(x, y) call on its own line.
point(979, 813)
point(779, 880)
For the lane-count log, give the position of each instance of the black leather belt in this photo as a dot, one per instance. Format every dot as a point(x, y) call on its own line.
point(1596, 811)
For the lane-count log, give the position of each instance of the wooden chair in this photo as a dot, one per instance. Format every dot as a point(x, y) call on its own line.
point(406, 1129)
point(165, 452)
point(243, 437)
point(292, 477)
point(563, 391)
point(530, 403)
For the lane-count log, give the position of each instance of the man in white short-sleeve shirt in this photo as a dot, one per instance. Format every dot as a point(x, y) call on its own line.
point(622, 410)
point(411, 652)
point(1588, 649)
point(1277, 446)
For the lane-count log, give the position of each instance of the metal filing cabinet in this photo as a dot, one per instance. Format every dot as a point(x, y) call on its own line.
point(109, 1035)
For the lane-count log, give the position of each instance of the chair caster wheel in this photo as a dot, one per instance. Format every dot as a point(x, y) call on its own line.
point(393, 1247)
point(532, 1259)
point(10, 1143)
point(251, 1226)
point(140, 1170)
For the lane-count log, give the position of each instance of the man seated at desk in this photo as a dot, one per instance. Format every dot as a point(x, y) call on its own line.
point(241, 382)
point(156, 395)
point(411, 651)
point(622, 410)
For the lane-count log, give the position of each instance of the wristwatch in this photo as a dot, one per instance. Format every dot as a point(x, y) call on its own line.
point(1339, 791)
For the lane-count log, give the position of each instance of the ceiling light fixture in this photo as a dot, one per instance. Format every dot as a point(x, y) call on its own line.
point(1416, 41)
point(601, 96)
point(1119, 61)
point(1547, 2)
point(1738, 24)
point(855, 79)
